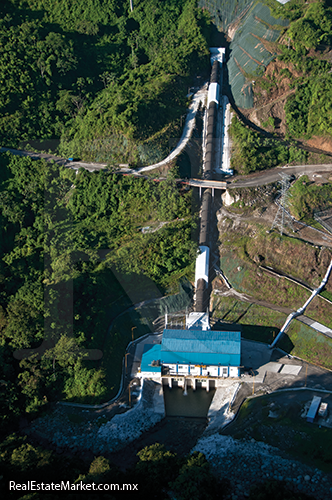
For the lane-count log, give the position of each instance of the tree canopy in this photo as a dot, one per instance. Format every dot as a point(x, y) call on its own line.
point(96, 76)
point(71, 245)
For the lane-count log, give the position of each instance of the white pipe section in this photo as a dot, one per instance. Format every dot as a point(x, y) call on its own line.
point(301, 310)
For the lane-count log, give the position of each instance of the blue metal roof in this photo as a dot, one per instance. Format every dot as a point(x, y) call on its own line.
point(195, 358)
point(201, 341)
point(201, 347)
point(151, 353)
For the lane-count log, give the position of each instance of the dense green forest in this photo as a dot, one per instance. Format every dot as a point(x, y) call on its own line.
point(109, 83)
point(158, 474)
point(253, 151)
point(307, 197)
point(306, 48)
point(72, 251)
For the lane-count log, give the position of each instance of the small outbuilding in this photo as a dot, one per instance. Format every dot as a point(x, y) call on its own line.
point(312, 412)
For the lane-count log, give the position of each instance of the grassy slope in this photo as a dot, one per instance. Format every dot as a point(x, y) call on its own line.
point(289, 432)
point(243, 243)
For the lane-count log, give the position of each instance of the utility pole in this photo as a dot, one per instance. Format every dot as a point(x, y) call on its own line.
point(253, 382)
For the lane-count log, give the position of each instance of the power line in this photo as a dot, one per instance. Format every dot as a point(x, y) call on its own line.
point(283, 217)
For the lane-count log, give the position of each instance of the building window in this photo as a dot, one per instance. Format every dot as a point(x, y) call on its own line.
point(224, 371)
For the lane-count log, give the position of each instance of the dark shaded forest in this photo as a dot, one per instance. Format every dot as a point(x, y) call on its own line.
point(71, 250)
point(108, 83)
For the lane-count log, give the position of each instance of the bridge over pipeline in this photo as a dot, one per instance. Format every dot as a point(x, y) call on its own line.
point(206, 184)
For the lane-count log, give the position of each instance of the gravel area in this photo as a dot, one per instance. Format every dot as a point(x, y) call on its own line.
point(245, 462)
point(97, 435)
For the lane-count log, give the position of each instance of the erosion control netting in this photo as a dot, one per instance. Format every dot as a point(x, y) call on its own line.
point(248, 56)
point(170, 304)
point(224, 12)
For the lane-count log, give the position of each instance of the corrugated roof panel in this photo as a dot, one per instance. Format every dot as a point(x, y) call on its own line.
point(151, 353)
point(202, 343)
point(201, 335)
point(206, 346)
point(195, 358)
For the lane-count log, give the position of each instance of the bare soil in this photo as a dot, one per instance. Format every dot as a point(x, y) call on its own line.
point(324, 143)
point(270, 103)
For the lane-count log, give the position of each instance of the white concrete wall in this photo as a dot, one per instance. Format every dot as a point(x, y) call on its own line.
point(213, 371)
point(152, 375)
point(202, 265)
point(226, 148)
point(213, 95)
point(183, 369)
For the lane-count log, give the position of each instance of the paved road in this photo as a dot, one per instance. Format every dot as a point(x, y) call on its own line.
point(269, 176)
point(206, 183)
point(57, 159)
point(256, 179)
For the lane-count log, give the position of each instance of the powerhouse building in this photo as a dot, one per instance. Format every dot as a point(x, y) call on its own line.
point(194, 353)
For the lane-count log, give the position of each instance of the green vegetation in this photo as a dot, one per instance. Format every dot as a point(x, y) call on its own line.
point(244, 248)
point(307, 197)
point(250, 243)
point(288, 431)
point(158, 472)
point(72, 258)
point(310, 345)
point(263, 324)
point(245, 277)
point(233, 310)
point(110, 83)
point(253, 151)
point(120, 333)
point(308, 111)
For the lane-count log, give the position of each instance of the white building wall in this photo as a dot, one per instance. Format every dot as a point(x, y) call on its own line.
point(207, 371)
point(172, 368)
point(234, 371)
point(153, 375)
point(183, 369)
point(195, 370)
point(213, 371)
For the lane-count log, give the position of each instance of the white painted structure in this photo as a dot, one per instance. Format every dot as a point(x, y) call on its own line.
point(202, 265)
point(198, 321)
point(201, 370)
point(226, 141)
point(213, 94)
point(217, 54)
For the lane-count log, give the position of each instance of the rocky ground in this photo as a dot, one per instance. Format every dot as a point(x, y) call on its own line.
point(72, 433)
point(245, 463)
